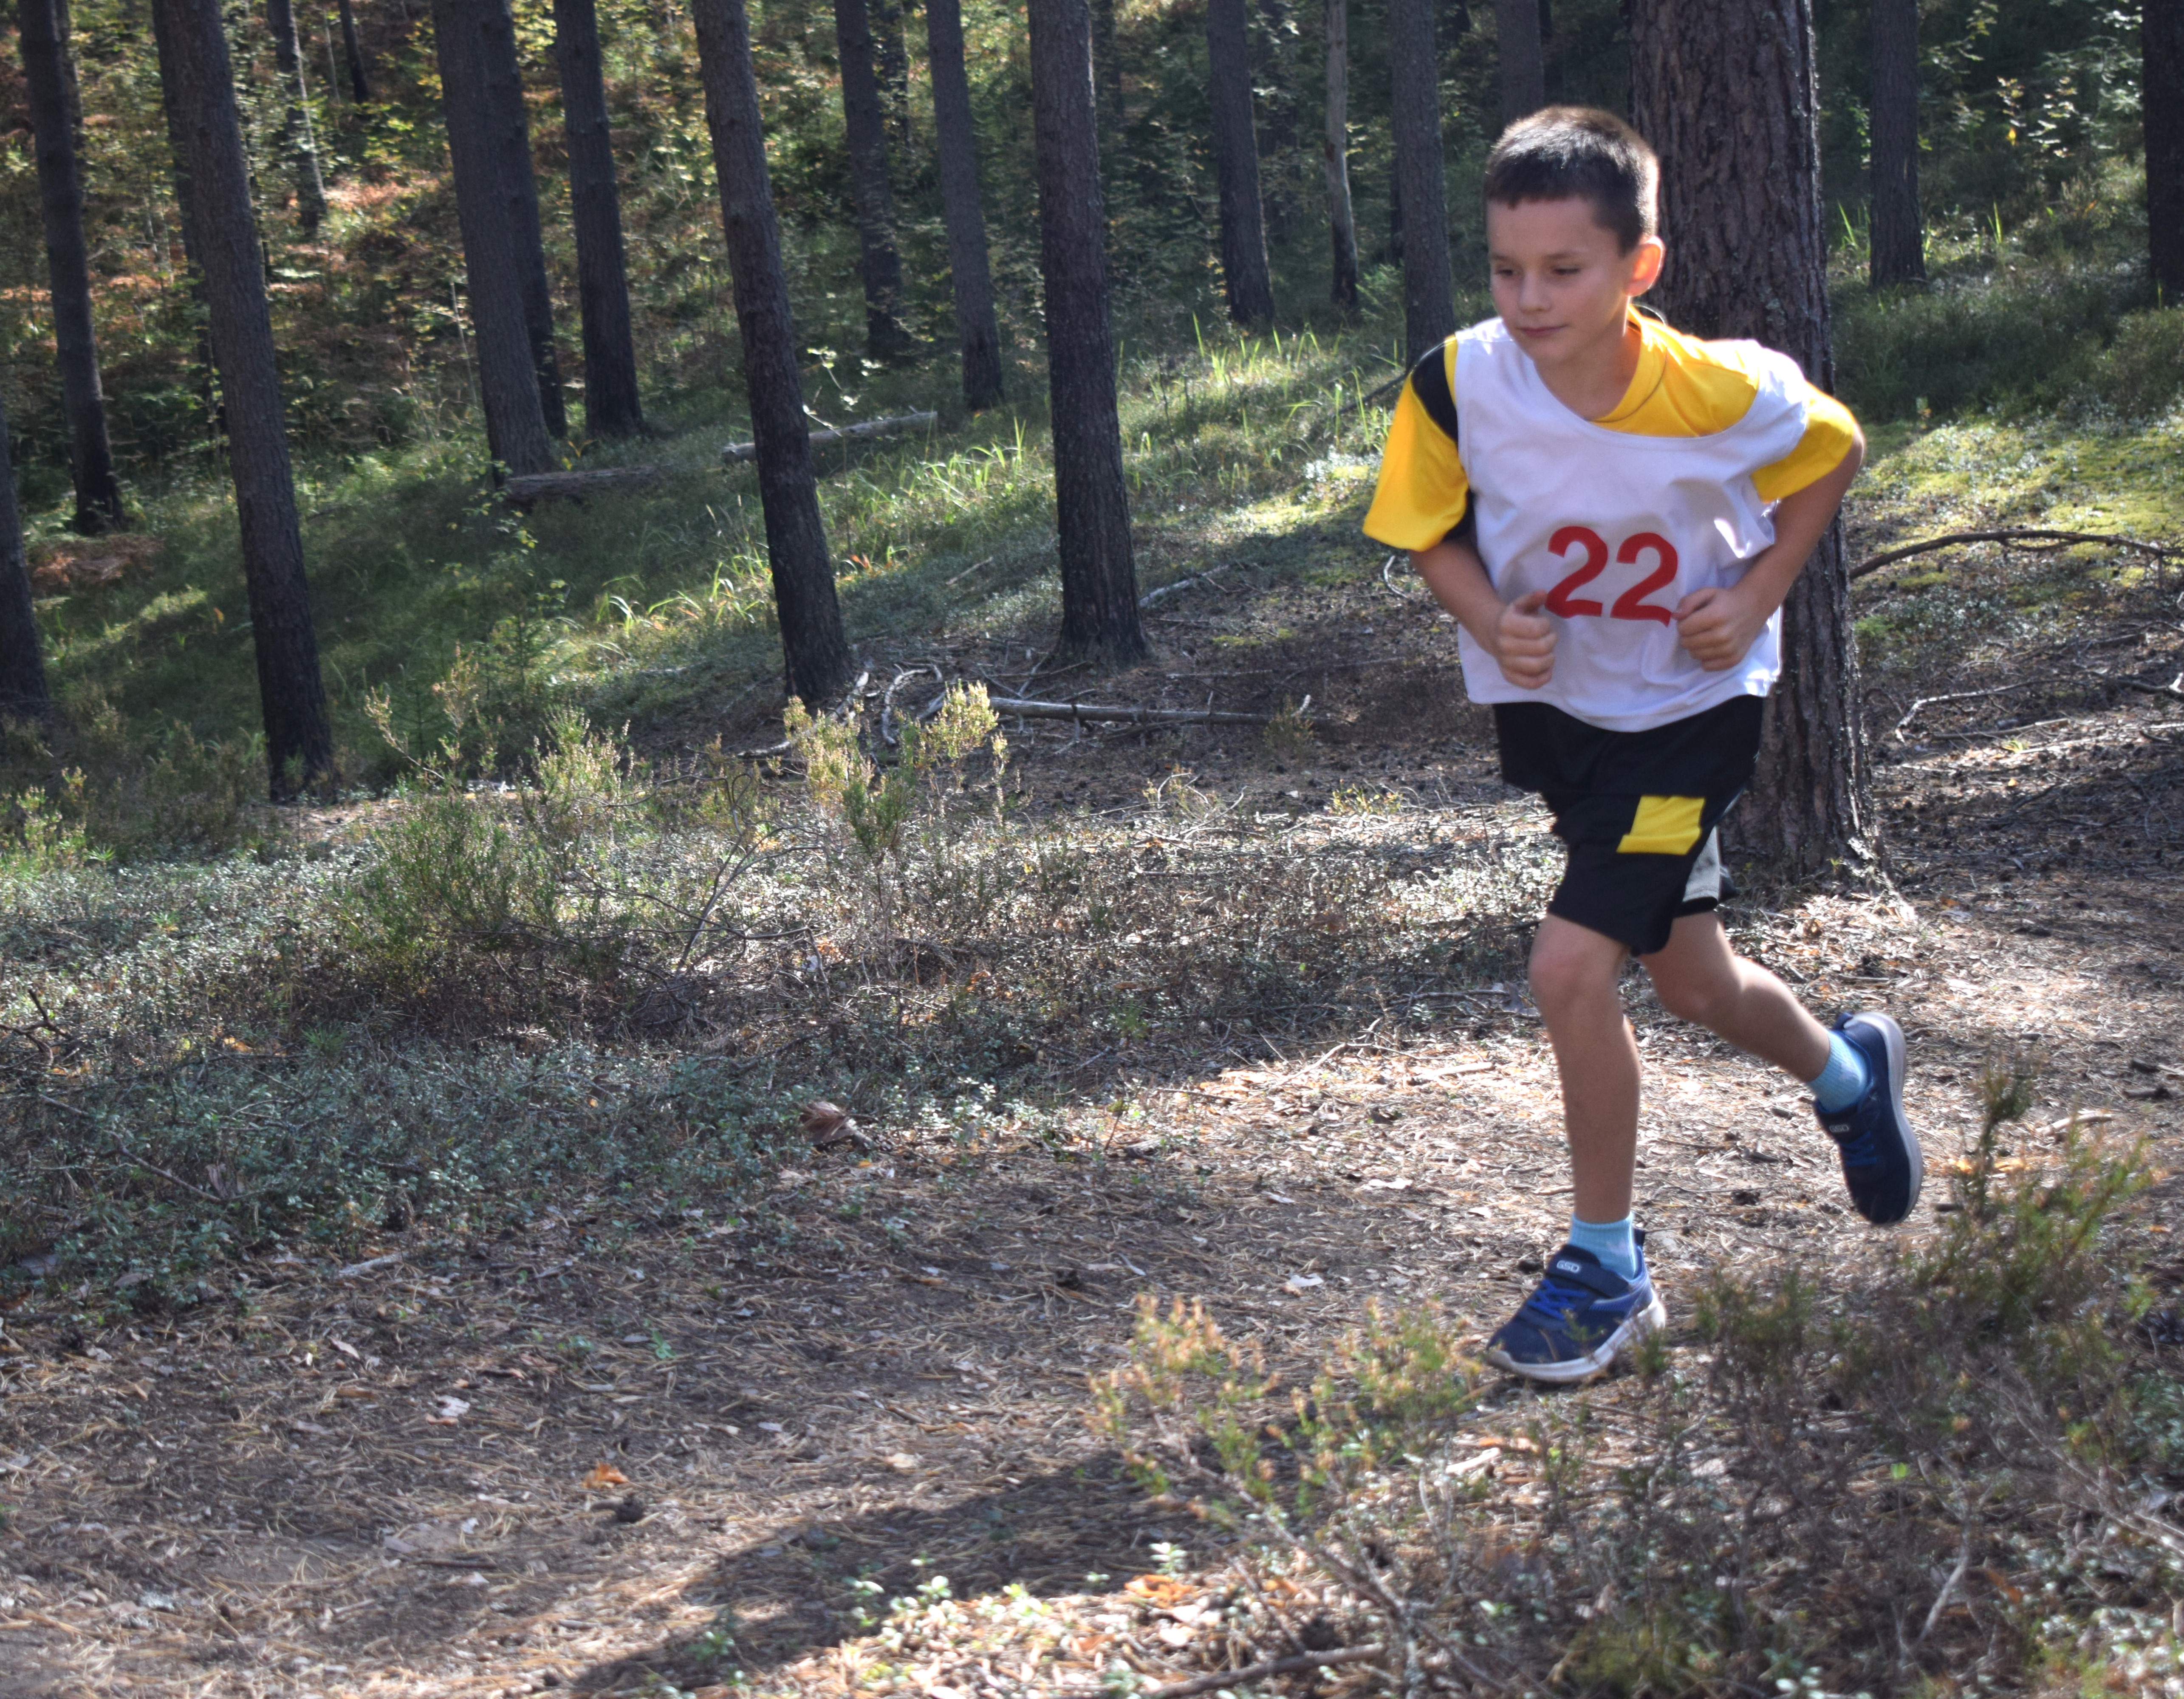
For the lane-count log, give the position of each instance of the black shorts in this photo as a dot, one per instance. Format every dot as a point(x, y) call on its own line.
point(1638, 809)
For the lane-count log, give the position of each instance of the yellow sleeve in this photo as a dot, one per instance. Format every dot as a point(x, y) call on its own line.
point(1829, 433)
point(1423, 490)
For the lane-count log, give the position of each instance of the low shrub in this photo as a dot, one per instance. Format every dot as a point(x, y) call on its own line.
point(1927, 1474)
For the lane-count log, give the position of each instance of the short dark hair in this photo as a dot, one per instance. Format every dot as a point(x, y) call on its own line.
point(1561, 151)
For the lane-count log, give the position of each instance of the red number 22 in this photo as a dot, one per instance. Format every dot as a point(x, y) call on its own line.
point(1631, 604)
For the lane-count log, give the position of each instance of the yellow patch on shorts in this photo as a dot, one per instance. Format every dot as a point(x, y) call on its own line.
point(1664, 826)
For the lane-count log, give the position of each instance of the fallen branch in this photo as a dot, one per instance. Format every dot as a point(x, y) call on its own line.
point(1167, 590)
point(2044, 539)
point(1255, 1672)
point(532, 487)
point(1911, 712)
point(1135, 716)
point(820, 439)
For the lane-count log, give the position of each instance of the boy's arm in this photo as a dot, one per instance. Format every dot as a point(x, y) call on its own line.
point(1516, 634)
point(1718, 625)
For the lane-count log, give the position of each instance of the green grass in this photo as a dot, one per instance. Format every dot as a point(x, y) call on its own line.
point(640, 604)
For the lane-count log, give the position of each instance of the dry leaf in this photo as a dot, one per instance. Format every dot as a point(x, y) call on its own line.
point(602, 1476)
point(1165, 1592)
point(451, 1411)
point(901, 1462)
point(829, 1123)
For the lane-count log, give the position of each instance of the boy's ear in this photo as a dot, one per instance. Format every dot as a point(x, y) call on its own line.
point(1646, 261)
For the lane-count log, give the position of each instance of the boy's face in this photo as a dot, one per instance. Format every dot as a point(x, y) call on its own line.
point(1562, 284)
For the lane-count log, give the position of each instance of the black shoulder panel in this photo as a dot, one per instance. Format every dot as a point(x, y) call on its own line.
point(1429, 383)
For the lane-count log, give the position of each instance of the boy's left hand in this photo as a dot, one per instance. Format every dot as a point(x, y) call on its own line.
point(1718, 626)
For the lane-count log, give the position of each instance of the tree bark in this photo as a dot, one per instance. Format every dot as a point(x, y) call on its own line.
point(296, 138)
point(185, 215)
point(1099, 619)
point(22, 662)
point(1341, 224)
point(1898, 238)
point(611, 407)
point(509, 133)
point(1725, 90)
point(891, 63)
point(1107, 68)
point(298, 739)
point(864, 124)
point(508, 371)
point(1523, 63)
point(1245, 279)
point(2161, 44)
point(47, 73)
point(970, 272)
point(359, 74)
point(1281, 152)
point(1429, 290)
point(817, 653)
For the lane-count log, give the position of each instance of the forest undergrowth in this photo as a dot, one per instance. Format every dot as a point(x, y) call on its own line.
point(598, 933)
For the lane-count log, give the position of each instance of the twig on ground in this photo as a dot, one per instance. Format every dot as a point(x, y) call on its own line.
point(129, 1156)
point(1911, 712)
point(1181, 584)
point(2043, 539)
point(820, 439)
point(1137, 716)
point(1255, 1672)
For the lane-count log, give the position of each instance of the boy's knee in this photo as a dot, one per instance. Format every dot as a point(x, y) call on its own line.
point(1701, 1000)
point(1563, 975)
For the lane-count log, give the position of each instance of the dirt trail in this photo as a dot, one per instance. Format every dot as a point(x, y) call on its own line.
point(557, 1458)
point(377, 1482)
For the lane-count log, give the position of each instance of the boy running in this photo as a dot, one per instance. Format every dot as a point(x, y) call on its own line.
point(1613, 513)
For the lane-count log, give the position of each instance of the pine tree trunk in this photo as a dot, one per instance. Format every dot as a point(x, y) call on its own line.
point(296, 137)
point(1281, 153)
point(1107, 70)
point(611, 408)
point(1243, 275)
point(1524, 63)
point(508, 371)
point(22, 662)
point(298, 740)
point(817, 654)
point(2161, 43)
point(1429, 290)
point(1092, 505)
point(1725, 91)
point(47, 72)
point(509, 134)
point(1341, 224)
point(970, 273)
point(866, 126)
point(891, 63)
point(359, 75)
point(1898, 235)
point(185, 215)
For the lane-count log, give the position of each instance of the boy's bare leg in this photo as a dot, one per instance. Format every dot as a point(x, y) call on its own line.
point(1575, 980)
point(1699, 978)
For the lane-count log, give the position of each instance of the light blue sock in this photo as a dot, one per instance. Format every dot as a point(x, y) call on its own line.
point(1611, 1241)
point(1843, 1081)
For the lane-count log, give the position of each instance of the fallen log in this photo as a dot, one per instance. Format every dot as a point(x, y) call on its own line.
point(1133, 717)
point(529, 486)
point(820, 439)
point(2035, 535)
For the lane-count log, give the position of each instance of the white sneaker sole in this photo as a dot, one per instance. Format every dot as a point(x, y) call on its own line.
point(1643, 1325)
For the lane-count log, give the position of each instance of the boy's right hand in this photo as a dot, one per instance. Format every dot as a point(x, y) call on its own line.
point(1524, 642)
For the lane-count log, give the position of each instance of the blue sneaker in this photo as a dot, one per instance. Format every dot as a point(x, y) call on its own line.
point(1578, 1321)
point(1882, 1162)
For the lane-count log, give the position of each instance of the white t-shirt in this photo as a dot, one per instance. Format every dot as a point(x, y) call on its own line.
point(1618, 527)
